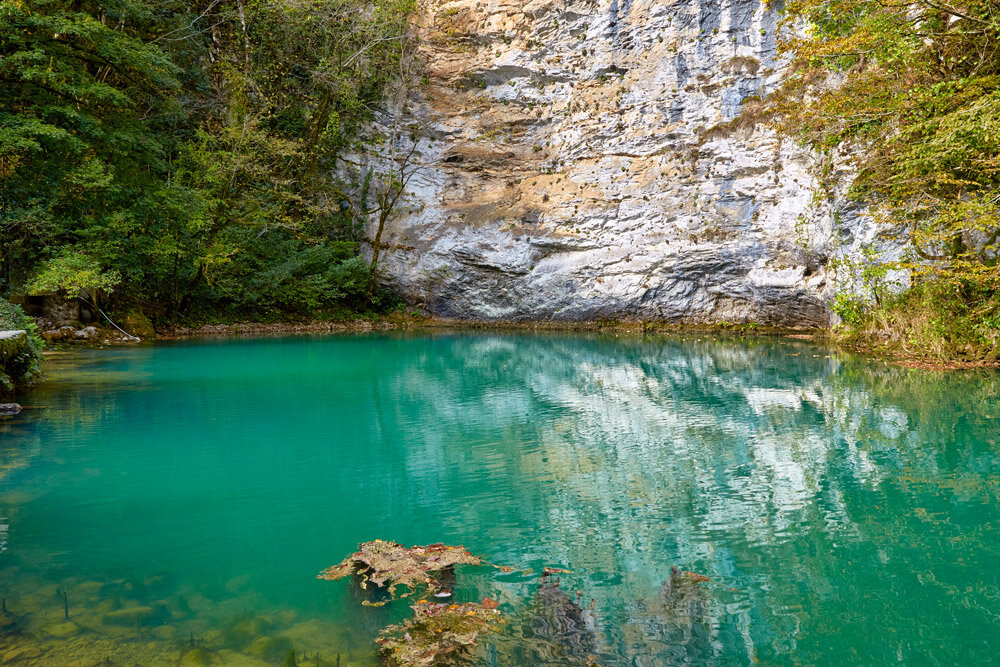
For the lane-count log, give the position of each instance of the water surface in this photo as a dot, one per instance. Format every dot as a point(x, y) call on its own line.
point(847, 511)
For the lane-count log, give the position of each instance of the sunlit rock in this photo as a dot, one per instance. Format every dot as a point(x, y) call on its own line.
point(586, 160)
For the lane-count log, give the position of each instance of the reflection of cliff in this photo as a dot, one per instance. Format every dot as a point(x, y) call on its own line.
point(738, 438)
point(827, 498)
point(707, 454)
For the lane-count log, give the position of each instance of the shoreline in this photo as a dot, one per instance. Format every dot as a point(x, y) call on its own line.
point(401, 322)
point(272, 329)
point(412, 323)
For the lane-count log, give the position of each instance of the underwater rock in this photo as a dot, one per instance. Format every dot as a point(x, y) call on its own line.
point(214, 638)
point(244, 630)
point(681, 618)
point(195, 657)
point(238, 584)
point(235, 659)
point(21, 652)
point(10, 623)
point(167, 633)
point(311, 630)
point(62, 630)
point(683, 596)
point(128, 617)
point(559, 620)
point(87, 589)
point(437, 630)
point(270, 647)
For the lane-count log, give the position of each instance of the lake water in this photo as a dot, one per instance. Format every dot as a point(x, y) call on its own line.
point(185, 496)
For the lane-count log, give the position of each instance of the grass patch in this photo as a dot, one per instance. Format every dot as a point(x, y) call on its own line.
point(945, 320)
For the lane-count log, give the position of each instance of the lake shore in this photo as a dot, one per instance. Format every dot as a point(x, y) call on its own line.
point(412, 322)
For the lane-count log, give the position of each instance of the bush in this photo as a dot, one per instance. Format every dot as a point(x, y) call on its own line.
point(946, 319)
point(18, 366)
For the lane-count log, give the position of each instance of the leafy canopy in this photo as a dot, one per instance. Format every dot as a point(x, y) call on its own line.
point(913, 88)
point(187, 147)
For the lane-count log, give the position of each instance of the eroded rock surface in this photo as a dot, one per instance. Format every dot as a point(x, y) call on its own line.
point(582, 162)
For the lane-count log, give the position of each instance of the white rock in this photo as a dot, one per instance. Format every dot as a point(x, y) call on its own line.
point(558, 185)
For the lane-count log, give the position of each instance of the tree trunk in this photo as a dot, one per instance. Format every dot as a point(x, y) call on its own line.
point(383, 215)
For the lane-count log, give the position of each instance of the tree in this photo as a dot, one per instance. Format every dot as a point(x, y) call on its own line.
point(909, 93)
point(79, 102)
point(913, 88)
point(190, 147)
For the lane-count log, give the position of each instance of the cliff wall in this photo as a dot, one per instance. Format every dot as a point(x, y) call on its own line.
point(588, 159)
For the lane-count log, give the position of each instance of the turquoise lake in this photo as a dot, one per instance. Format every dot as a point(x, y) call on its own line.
point(185, 496)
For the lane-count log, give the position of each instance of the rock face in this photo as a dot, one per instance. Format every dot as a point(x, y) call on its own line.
point(582, 160)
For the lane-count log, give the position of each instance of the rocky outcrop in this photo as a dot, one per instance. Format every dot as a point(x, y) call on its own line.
point(588, 159)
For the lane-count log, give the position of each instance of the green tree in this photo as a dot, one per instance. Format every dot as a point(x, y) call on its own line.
point(911, 91)
point(189, 147)
point(80, 99)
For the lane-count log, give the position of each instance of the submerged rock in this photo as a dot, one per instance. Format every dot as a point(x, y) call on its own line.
point(11, 623)
point(62, 630)
point(270, 647)
point(195, 657)
point(19, 653)
point(560, 621)
point(167, 633)
point(128, 617)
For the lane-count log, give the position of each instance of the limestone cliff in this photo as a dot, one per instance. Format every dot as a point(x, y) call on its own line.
point(583, 160)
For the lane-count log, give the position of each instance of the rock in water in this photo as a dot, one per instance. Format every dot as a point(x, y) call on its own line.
point(9, 409)
point(63, 630)
point(128, 617)
point(87, 333)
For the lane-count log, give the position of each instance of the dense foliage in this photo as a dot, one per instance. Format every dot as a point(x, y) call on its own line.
point(18, 362)
point(182, 152)
point(912, 91)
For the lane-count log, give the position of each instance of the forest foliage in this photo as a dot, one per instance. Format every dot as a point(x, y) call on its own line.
point(19, 358)
point(179, 155)
point(910, 91)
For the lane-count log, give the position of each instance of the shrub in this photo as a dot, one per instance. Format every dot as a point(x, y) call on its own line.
point(20, 364)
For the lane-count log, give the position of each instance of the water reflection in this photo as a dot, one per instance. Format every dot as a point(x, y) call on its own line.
point(843, 509)
point(788, 472)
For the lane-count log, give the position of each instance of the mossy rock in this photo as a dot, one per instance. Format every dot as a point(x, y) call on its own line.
point(194, 657)
point(167, 633)
point(128, 617)
point(63, 630)
point(270, 647)
point(248, 628)
point(20, 652)
point(88, 589)
point(138, 324)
